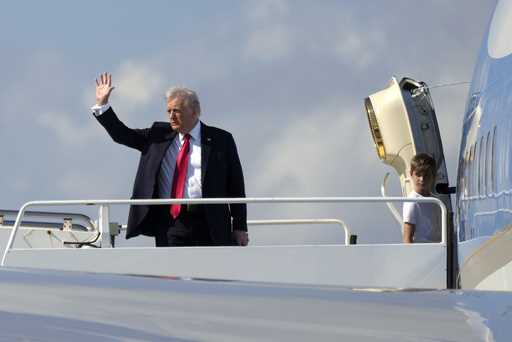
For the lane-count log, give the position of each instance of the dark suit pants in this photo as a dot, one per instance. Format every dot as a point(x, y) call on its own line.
point(188, 229)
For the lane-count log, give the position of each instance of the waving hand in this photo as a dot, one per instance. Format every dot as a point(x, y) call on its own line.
point(103, 88)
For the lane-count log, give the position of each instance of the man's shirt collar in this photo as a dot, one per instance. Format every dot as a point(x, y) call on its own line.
point(195, 133)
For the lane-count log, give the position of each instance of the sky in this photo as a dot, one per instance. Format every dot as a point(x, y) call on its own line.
point(286, 78)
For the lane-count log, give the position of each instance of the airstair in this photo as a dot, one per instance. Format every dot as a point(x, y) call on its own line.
point(350, 265)
point(402, 122)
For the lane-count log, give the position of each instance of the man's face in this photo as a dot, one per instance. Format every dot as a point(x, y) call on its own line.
point(181, 116)
point(423, 181)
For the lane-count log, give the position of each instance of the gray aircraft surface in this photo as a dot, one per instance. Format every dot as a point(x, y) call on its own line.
point(39, 305)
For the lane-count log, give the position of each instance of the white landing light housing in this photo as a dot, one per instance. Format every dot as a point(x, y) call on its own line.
point(403, 123)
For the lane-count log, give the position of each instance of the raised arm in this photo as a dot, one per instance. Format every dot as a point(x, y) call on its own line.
point(120, 133)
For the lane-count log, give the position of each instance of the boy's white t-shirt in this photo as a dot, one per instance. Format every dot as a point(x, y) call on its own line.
point(425, 216)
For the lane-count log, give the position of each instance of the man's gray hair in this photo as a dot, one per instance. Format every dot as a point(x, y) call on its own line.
point(188, 95)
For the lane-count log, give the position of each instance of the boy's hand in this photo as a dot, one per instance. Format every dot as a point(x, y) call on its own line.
point(408, 232)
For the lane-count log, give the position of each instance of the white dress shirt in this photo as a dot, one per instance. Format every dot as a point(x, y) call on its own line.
point(193, 186)
point(166, 175)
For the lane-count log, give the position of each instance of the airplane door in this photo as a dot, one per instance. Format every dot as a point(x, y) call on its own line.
point(403, 123)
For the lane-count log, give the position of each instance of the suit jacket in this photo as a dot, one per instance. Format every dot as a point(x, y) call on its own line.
point(221, 174)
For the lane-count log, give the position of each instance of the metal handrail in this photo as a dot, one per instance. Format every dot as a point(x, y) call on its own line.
point(391, 207)
point(282, 222)
point(302, 221)
point(47, 225)
point(82, 218)
point(104, 221)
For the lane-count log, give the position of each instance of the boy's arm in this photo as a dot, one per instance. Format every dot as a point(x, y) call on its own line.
point(409, 229)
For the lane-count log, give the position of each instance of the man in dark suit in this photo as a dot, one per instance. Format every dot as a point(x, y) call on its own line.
point(181, 159)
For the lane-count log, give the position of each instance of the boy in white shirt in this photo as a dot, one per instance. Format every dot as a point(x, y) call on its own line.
point(422, 221)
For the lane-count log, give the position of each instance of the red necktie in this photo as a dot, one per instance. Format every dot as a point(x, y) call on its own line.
point(180, 176)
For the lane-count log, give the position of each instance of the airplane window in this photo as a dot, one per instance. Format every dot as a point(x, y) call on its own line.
point(488, 164)
point(469, 181)
point(472, 171)
point(493, 162)
point(465, 179)
point(481, 167)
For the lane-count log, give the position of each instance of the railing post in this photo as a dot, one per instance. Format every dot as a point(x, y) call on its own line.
point(104, 226)
point(17, 224)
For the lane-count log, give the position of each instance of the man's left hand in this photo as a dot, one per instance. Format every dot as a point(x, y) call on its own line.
point(241, 237)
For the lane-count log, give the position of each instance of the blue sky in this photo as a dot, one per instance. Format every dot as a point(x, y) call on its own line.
point(287, 78)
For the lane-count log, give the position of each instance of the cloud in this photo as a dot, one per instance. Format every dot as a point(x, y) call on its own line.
point(357, 48)
point(78, 184)
point(303, 153)
point(137, 84)
point(269, 44)
point(69, 129)
point(138, 87)
point(38, 79)
point(264, 11)
point(324, 152)
point(269, 35)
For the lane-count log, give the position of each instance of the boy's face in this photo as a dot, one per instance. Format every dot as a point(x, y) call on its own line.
point(423, 181)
